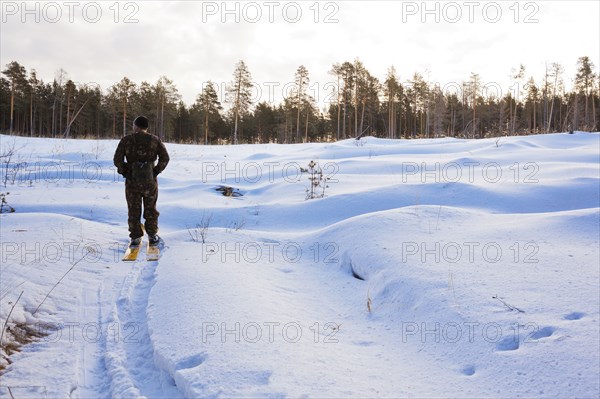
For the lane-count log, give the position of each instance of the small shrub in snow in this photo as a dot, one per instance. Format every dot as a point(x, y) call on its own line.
point(198, 233)
point(318, 182)
point(236, 225)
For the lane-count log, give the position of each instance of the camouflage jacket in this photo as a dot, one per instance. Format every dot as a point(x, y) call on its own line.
point(140, 147)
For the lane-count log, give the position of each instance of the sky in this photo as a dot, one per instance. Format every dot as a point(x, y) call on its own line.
point(192, 42)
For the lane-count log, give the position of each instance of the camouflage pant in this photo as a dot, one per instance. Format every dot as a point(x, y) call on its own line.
point(135, 197)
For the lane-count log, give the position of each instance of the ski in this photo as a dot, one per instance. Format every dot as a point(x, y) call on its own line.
point(131, 253)
point(153, 252)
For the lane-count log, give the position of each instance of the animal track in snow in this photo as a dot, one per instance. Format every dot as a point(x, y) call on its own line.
point(542, 333)
point(574, 316)
point(508, 344)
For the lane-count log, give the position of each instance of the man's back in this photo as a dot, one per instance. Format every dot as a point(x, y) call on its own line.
point(142, 147)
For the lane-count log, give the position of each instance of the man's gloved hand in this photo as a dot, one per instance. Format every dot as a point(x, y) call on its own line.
point(123, 171)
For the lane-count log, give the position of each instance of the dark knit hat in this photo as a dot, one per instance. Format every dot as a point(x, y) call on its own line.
point(141, 122)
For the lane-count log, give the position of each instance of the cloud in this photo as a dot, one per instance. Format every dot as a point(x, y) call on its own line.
point(187, 44)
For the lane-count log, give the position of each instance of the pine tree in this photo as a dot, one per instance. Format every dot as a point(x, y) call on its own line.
point(124, 90)
point(310, 108)
point(392, 91)
point(266, 121)
point(531, 102)
point(58, 97)
point(360, 83)
point(555, 72)
point(517, 79)
point(70, 89)
point(301, 80)
point(336, 70)
point(34, 85)
point(452, 107)
point(366, 98)
point(240, 89)
point(584, 81)
point(474, 90)
point(347, 74)
point(208, 105)
point(167, 97)
point(17, 77)
point(420, 91)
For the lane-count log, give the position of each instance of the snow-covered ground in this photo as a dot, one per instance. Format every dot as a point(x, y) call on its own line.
point(431, 268)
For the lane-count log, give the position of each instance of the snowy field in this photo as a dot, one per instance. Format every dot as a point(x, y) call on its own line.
point(430, 268)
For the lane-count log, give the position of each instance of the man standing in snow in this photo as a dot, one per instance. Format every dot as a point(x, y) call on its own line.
point(134, 159)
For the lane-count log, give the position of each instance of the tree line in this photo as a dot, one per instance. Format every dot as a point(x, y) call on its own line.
point(360, 104)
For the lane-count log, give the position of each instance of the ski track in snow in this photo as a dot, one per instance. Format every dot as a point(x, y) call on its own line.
point(92, 380)
point(131, 358)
